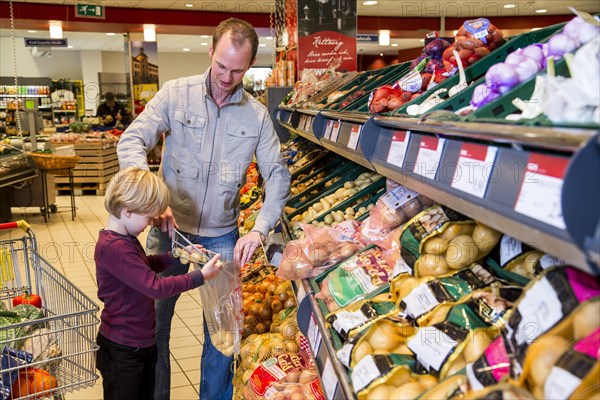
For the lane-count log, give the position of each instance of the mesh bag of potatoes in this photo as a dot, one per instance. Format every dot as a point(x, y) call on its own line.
point(319, 250)
point(440, 240)
point(553, 298)
point(384, 336)
point(394, 376)
point(392, 210)
point(518, 262)
point(284, 377)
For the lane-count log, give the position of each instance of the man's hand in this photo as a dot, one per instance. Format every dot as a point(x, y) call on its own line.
point(246, 246)
point(166, 222)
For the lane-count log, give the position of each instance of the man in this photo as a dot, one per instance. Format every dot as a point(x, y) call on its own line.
point(111, 111)
point(214, 129)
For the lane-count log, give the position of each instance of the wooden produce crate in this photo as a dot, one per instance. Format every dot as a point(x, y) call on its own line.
point(97, 166)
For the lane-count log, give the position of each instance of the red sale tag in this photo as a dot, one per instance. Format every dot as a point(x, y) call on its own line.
point(335, 131)
point(540, 193)
point(398, 148)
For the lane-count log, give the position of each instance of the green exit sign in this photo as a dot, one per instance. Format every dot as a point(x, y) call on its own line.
point(89, 11)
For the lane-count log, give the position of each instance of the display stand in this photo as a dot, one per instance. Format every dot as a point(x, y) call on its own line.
point(68, 172)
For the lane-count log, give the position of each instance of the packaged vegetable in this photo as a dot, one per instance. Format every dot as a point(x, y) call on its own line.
point(384, 336)
point(502, 391)
point(448, 388)
point(549, 301)
point(446, 347)
point(355, 278)
point(356, 316)
point(34, 382)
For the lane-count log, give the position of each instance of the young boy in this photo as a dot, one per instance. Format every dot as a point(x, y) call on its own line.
point(128, 285)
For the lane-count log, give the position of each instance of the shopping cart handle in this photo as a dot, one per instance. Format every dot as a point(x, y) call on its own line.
point(21, 224)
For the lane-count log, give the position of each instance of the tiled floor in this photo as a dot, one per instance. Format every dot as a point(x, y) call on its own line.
point(69, 247)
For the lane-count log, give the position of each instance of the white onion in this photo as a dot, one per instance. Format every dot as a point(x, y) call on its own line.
point(501, 77)
point(561, 44)
point(534, 52)
point(580, 30)
point(482, 95)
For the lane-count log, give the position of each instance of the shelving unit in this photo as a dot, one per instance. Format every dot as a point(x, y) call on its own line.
point(28, 88)
point(521, 162)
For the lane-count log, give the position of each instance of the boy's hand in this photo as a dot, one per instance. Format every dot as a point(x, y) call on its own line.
point(212, 268)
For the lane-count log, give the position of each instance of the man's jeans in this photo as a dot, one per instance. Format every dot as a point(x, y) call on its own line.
point(215, 369)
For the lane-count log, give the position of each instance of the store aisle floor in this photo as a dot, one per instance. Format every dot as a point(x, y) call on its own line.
point(69, 247)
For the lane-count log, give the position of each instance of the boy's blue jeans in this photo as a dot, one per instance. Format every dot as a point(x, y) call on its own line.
point(216, 371)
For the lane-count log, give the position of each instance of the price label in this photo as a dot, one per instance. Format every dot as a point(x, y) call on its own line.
point(473, 168)
point(398, 148)
point(313, 335)
point(431, 347)
point(428, 159)
point(420, 300)
point(509, 249)
point(329, 379)
point(354, 136)
point(540, 194)
point(335, 131)
point(328, 129)
point(365, 372)
point(302, 122)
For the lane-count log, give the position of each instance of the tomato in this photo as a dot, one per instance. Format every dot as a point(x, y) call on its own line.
point(27, 298)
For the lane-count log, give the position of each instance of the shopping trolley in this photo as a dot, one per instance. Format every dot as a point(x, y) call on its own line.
point(55, 353)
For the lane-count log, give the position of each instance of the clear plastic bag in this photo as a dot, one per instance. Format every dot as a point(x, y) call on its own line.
point(221, 296)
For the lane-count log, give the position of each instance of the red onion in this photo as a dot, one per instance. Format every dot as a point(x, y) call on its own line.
point(501, 77)
point(482, 95)
point(580, 30)
point(560, 44)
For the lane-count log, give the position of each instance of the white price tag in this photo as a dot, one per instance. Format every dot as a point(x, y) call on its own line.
point(420, 300)
point(548, 261)
point(431, 347)
point(401, 267)
point(398, 148)
point(302, 122)
point(560, 384)
point(473, 168)
point(540, 194)
point(309, 123)
point(335, 131)
point(428, 159)
point(398, 197)
point(354, 136)
point(509, 249)
point(540, 310)
point(301, 293)
point(329, 379)
point(364, 373)
point(347, 320)
point(328, 129)
point(313, 335)
point(344, 354)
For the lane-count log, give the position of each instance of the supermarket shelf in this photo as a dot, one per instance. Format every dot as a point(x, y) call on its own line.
point(17, 177)
point(64, 111)
point(23, 95)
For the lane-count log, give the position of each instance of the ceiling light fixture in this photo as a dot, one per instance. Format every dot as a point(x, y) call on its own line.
point(110, 34)
point(149, 33)
point(189, 5)
point(69, 47)
point(204, 36)
point(32, 31)
point(185, 49)
point(384, 38)
point(203, 44)
point(55, 29)
point(541, 11)
point(510, 5)
point(369, 3)
point(394, 44)
point(380, 54)
point(262, 45)
point(269, 37)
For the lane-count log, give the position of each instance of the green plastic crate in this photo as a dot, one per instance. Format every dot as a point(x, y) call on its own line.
point(479, 68)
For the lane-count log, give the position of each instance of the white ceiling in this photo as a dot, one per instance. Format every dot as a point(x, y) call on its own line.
point(384, 8)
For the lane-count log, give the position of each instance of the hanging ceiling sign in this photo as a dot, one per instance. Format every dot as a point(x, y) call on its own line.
point(367, 38)
point(83, 10)
point(43, 42)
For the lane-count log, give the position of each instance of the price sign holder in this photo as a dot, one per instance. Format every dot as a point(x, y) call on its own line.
point(398, 148)
point(335, 131)
point(474, 168)
point(541, 187)
point(355, 130)
point(429, 156)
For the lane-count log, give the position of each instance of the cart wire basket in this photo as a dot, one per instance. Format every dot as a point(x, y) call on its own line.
point(59, 165)
point(47, 351)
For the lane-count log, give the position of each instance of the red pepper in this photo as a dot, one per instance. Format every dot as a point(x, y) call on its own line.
point(27, 298)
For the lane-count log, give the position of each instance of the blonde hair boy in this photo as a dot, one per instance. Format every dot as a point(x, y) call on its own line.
point(137, 190)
